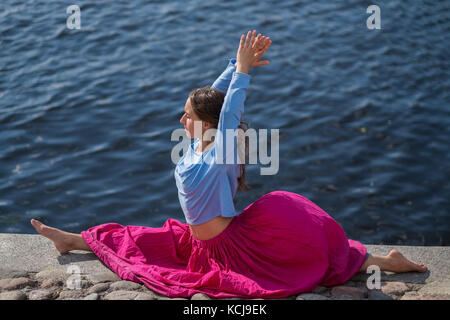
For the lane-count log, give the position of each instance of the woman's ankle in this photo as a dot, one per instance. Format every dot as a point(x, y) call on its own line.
point(381, 261)
point(78, 243)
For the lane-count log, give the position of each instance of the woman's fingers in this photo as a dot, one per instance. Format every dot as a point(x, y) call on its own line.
point(247, 39)
point(263, 43)
point(266, 45)
point(252, 40)
point(260, 52)
point(241, 43)
point(263, 63)
point(260, 63)
point(257, 42)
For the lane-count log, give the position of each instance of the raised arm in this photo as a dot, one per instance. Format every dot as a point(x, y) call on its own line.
point(249, 54)
point(230, 118)
point(223, 81)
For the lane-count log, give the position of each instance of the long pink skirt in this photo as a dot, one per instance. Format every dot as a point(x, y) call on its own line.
point(281, 245)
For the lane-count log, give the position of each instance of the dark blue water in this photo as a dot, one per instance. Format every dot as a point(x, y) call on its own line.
point(86, 115)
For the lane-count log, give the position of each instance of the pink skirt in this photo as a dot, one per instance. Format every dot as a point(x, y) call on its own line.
point(281, 245)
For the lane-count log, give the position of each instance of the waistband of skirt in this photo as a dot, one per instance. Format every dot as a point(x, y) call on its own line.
point(219, 238)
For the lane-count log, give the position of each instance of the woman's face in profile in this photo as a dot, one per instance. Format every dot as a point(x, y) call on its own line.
point(188, 119)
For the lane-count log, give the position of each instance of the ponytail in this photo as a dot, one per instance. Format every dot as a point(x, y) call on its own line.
point(241, 180)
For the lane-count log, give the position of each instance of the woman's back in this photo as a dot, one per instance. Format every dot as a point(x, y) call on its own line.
point(205, 188)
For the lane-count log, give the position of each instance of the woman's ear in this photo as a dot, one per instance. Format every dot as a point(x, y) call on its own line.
point(207, 125)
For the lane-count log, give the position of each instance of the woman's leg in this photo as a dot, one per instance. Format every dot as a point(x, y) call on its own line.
point(394, 262)
point(64, 241)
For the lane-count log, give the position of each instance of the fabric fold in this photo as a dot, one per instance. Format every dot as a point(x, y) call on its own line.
point(280, 245)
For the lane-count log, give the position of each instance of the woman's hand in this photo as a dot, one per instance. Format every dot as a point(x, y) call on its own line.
point(251, 49)
point(262, 44)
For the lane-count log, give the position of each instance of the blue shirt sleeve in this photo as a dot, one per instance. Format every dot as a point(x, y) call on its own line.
point(223, 81)
point(230, 118)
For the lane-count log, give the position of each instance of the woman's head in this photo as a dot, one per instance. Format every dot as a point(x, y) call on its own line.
point(204, 105)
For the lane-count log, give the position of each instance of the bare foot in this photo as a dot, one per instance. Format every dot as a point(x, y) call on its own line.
point(398, 263)
point(59, 237)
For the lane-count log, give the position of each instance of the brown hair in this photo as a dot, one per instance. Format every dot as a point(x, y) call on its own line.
point(207, 103)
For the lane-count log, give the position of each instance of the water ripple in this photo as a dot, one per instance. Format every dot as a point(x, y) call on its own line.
point(87, 115)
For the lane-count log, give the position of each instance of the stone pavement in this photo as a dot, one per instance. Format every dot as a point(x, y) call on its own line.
point(31, 268)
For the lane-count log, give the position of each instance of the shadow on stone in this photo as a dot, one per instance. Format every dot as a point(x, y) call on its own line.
point(410, 277)
point(73, 257)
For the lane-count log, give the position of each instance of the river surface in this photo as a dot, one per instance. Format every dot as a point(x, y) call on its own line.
point(86, 115)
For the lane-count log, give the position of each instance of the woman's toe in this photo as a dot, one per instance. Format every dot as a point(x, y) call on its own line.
point(422, 268)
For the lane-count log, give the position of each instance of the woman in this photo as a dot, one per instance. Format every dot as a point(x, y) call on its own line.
point(280, 245)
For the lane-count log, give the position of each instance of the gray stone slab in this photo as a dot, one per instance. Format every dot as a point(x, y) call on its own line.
point(34, 253)
point(22, 253)
point(441, 288)
point(437, 260)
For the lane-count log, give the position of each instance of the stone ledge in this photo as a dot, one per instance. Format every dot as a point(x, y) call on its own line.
point(25, 256)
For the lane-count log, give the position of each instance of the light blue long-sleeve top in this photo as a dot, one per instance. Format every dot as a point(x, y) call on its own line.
point(207, 182)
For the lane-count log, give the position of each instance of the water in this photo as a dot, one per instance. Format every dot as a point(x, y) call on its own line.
point(86, 115)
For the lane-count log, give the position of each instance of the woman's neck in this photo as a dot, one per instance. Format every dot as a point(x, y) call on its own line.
point(204, 145)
